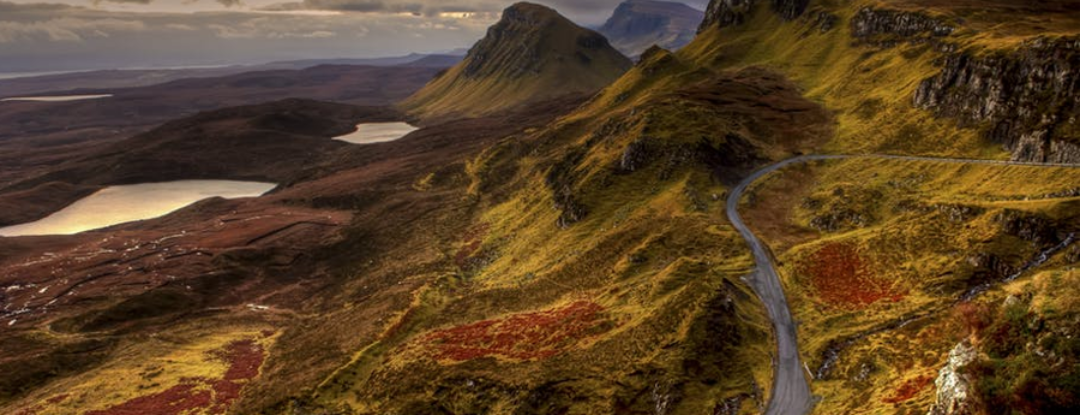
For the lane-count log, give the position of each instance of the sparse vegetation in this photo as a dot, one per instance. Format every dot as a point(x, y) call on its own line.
point(879, 316)
point(573, 256)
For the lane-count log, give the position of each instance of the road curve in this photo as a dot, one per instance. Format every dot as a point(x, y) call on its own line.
point(791, 391)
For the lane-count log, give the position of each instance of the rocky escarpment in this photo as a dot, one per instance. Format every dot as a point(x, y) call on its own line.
point(790, 9)
point(723, 13)
point(953, 387)
point(734, 12)
point(870, 22)
point(1025, 99)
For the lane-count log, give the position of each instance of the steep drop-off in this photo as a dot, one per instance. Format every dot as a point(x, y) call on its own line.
point(985, 76)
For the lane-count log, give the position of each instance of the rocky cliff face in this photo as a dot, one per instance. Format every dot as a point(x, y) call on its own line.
point(734, 12)
point(726, 13)
point(1026, 99)
point(953, 387)
point(790, 9)
point(869, 22)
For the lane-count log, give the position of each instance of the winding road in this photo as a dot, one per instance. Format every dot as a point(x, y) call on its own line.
point(791, 391)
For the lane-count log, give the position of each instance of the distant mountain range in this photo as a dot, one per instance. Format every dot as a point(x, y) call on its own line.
point(129, 78)
point(638, 24)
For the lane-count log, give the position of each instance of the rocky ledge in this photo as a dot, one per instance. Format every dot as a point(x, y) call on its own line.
point(870, 22)
point(724, 13)
point(1025, 99)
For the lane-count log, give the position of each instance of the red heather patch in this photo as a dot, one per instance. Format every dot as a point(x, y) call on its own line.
point(472, 241)
point(173, 401)
point(841, 278)
point(211, 396)
point(521, 336)
point(909, 389)
point(244, 358)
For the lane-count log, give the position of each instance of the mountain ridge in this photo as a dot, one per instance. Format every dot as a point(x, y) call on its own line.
point(638, 24)
point(531, 54)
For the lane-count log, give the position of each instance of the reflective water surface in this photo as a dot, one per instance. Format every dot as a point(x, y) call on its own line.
point(58, 98)
point(118, 204)
point(377, 133)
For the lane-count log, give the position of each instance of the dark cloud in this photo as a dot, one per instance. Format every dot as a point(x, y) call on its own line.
point(71, 36)
point(39, 38)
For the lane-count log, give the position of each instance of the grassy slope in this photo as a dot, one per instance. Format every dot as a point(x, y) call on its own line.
point(914, 257)
point(869, 90)
point(909, 244)
point(661, 264)
point(654, 251)
point(150, 367)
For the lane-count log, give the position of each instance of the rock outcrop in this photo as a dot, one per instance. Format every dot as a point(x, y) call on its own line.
point(734, 12)
point(724, 13)
point(1026, 99)
point(953, 387)
point(870, 22)
point(1035, 228)
point(637, 25)
point(790, 9)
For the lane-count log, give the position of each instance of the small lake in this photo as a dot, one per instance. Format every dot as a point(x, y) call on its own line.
point(119, 204)
point(377, 133)
point(57, 98)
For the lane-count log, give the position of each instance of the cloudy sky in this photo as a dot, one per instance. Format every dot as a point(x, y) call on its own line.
point(90, 34)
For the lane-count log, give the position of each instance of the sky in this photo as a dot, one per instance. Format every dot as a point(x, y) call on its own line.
point(61, 35)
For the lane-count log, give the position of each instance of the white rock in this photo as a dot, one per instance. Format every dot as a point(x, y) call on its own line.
point(953, 387)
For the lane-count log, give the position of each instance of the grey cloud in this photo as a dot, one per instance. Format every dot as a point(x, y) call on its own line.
point(123, 1)
point(585, 12)
point(66, 29)
point(418, 8)
point(36, 38)
point(230, 3)
point(64, 37)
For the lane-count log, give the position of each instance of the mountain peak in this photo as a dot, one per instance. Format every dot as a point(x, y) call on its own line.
point(638, 24)
point(526, 12)
point(527, 35)
point(531, 54)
